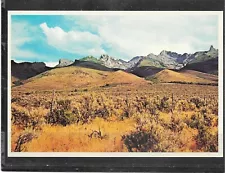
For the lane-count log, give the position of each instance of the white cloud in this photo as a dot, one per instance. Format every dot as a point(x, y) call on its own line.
point(22, 33)
point(83, 43)
point(51, 64)
point(141, 34)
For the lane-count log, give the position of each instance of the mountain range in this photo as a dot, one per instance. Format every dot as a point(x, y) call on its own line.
point(166, 59)
point(141, 66)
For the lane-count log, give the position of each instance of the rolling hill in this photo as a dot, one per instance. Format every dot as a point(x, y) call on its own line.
point(78, 77)
point(201, 75)
point(169, 76)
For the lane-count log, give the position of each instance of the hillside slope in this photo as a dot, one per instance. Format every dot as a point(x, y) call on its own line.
point(201, 75)
point(79, 77)
point(144, 71)
point(208, 66)
point(169, 76)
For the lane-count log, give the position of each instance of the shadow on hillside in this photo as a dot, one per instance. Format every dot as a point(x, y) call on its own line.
point(92, 65)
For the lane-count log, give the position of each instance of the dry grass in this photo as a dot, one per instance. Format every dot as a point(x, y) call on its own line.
point(77, 138)
point(201, 75)
point(172, 76)
point(122, 118)
point(78, 77)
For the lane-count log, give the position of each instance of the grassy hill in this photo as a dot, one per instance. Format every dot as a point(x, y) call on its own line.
point(91, 59)
point(78, 77)
point(201, 75)
point(123, 77)
point(169, 76)
point(150, 62)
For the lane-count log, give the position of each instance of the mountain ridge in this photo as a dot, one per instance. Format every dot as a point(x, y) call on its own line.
point(165, 59)
point(26, 70)
point(142, 66)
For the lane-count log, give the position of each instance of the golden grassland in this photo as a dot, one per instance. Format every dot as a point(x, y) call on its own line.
point(201, 75)
point(187, 76)
point(78, 77)
point(113, 118)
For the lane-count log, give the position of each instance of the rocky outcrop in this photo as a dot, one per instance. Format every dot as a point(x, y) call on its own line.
point(64, 63)
point(110, 62)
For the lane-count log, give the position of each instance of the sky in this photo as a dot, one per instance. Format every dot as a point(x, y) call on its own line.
point(47, 38)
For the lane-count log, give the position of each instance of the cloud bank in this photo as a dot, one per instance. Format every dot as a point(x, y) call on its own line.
point(73, 41)
point(121, 36)
point(132, 35)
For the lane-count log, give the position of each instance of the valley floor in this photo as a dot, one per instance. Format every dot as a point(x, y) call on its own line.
point(120, 118)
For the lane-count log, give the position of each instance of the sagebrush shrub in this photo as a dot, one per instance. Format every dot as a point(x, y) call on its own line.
point(25, 119)
point(197, 101)
point(139, 141)
point(61, 114)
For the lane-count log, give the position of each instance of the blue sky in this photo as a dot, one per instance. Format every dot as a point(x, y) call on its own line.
point(48, 38)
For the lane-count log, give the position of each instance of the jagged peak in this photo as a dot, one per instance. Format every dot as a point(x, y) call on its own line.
point(163, 52)
point(64, 60)
point(212, 48)
point(105, 56)
point(151, 54)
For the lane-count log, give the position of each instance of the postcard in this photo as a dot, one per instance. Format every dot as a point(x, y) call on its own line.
point(115, 84)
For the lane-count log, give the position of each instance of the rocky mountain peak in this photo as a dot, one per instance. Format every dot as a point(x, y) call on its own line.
point(64, 62)
point(212, 48)
point(163, 53)
point(151, 54)
point(111, 62)
point(106, 57)
point(169, 54)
